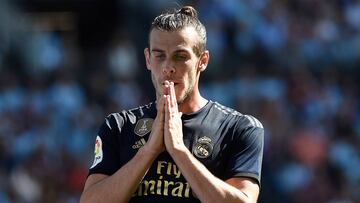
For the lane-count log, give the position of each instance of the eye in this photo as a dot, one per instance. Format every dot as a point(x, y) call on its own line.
point(180, 57)
point(159, 56)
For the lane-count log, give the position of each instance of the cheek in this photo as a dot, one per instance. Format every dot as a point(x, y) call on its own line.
point(188, 83)
point(191, 77)
point(155, 72)
point(154, 81)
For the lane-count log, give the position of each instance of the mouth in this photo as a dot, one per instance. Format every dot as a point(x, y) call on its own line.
point(175, 83)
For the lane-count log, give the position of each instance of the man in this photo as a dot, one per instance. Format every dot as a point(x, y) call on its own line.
point(183, 147)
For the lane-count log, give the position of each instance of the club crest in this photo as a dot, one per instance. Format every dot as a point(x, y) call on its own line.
point(143, 126)
point(203, 147)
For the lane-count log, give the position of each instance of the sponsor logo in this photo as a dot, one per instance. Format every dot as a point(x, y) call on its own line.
point(138, 144)
point(167, 181)
point(143, 126)
point(203, 147)
point(98, 153)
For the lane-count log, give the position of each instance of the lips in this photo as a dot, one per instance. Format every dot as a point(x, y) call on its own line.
point(175, 83)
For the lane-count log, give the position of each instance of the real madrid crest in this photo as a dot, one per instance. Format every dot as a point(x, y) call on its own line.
point(143, 126)
point(203, 147)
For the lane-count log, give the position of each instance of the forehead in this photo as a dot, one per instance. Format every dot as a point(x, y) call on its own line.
point(185, 38)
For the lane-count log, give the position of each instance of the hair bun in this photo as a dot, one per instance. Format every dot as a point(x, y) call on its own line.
point(189, 11)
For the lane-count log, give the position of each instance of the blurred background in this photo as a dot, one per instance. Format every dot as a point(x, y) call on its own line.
point(66, 64)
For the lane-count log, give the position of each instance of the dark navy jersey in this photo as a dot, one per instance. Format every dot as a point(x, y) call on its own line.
point(228, 143)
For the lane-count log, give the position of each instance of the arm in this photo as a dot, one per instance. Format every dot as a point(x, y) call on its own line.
point(100, 187)
point(209, 188)
point(206, 186)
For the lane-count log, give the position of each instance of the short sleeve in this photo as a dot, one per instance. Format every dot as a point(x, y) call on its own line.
point(106, 160)
point(246, 152)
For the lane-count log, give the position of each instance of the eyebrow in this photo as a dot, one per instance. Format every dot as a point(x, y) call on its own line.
point(157, 50)
point(182, 51)
point(177, 51)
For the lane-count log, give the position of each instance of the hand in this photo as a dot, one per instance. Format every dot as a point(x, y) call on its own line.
point(156, 140)
point(173, 135)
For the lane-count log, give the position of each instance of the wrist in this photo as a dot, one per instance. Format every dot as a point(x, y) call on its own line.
point(177, 150)
point(146, 150)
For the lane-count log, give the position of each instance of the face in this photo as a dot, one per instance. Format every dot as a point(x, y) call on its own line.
point(171, 57)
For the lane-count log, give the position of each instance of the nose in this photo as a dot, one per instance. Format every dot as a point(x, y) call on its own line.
point(168, 69)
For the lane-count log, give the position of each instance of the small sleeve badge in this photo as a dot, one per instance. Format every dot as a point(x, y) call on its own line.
point(98, 153)
point(143, 126)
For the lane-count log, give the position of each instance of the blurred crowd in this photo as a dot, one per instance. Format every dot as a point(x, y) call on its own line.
point(292, 64)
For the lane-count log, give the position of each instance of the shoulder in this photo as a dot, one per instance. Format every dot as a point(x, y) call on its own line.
point(118, 119)
point(242, 120)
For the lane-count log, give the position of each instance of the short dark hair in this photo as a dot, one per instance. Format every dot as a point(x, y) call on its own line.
point(178, 19)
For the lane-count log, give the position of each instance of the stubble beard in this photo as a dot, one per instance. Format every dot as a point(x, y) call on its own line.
point(186, 94)
point(182, 98)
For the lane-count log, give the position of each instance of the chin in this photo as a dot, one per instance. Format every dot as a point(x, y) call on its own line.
point(181, 99)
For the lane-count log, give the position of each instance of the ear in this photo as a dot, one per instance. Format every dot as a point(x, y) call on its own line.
point(147, 57)
point(204, 60)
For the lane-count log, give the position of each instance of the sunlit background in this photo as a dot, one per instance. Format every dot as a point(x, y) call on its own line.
point(294, 64)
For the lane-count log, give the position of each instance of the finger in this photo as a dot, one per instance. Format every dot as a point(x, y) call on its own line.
point(160, 108)
point(166, 82)
point(173, 95)
point(160, 104)
point(167, 107)
point(166, 87)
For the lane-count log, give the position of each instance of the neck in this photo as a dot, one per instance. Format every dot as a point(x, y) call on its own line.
point(192, 104)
